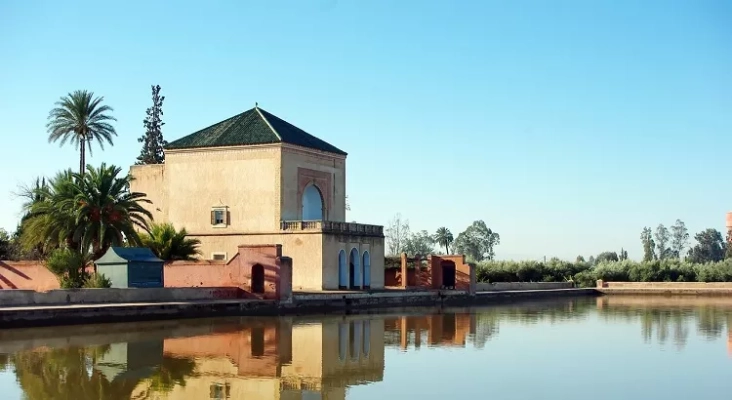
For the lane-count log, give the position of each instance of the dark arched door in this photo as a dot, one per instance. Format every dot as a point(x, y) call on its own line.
point(257, 279)
point(448, 274)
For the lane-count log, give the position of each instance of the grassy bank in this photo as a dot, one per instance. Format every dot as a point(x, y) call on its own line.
point(585, 274)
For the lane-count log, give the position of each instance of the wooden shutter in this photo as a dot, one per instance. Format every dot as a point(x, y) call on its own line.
point(228, 218)
point(213, 217)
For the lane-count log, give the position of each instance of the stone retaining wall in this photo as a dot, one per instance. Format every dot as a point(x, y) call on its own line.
point(18, 298)
point(666, 288)
point(503, 286)
point(314, 304)
point(664, 285)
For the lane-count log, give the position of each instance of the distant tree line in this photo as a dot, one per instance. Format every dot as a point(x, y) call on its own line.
point(477, 241)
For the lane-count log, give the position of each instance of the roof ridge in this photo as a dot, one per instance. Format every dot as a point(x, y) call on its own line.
point(266, 121)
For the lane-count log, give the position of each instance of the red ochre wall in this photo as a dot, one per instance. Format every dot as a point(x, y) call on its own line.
point(431, 276)
point(33, 275)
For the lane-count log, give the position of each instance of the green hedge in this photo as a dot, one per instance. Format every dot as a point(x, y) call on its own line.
point(395, 262)
point(622, 271)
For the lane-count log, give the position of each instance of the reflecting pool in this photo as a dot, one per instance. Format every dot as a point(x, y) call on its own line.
point(599, 348)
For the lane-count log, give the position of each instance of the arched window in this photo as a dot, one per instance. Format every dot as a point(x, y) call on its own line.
point(312, 204)
point(354, 269)
point(342, 270)
point(366, 265)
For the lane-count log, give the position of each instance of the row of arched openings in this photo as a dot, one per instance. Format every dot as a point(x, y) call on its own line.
point(354, 271)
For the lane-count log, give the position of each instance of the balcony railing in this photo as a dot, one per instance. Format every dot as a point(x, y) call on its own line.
point(343, 228)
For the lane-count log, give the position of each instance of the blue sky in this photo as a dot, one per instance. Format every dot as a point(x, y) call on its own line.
point(567, 126)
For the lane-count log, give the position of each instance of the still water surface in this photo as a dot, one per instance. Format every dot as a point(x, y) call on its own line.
point(600, 348)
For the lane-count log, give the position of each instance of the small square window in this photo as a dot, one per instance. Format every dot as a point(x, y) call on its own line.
point(220, 390)
point(220, 217)
point(218, 256)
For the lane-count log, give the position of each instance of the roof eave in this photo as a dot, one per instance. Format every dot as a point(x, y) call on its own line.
point(224, 147)
point(342, 154)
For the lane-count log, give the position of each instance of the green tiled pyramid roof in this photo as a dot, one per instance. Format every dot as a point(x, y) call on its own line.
point(254, 126)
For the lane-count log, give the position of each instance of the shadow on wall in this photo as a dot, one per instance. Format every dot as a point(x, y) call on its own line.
point(439, 272)
point(27, 275)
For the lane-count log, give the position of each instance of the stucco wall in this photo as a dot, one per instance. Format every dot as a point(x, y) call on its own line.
point(335, 165)
point(245, 179)
point(415, 277)
point(462, 270)
point(26, 275)
point(333, 244)
point(237, 272)
point(150, 179)
point(305, 249)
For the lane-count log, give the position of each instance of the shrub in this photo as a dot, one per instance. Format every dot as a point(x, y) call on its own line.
point(583, 274)
point(69, 266)
point(97, 281)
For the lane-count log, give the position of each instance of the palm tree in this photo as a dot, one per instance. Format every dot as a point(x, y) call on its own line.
point(444, 237)
point(81, 118)
point(87, 213)
point(169, 244)
point(106, 211)
point(48, 223)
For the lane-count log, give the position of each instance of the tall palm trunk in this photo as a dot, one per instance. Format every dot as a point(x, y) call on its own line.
point(82, 157)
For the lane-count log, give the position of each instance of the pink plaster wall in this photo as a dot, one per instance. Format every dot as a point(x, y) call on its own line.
point(33, 275)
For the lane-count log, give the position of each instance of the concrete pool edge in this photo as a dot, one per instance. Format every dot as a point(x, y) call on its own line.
point(310, 303)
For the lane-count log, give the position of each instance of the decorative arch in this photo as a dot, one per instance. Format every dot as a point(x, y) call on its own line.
point(366, 267)
point(354, 269)
point(342, 270)
point(313, 204)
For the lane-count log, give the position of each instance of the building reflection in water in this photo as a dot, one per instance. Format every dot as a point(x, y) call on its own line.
point(295, 358)
point(442, 330)
point(276, 359)
point(136, 360)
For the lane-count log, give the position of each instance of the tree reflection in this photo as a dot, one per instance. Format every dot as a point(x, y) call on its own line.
point(671, 319)
point(665, 321)
point(4, 362)
point(711, 322)
point(172, 371)
point(72, 374)
point(66, 374)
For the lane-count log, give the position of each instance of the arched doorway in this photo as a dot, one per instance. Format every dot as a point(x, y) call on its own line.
point(257, 279)
point(342, 270)
point(312, 204)
point(448, 274)
point(366, 269)
point(355, 279)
